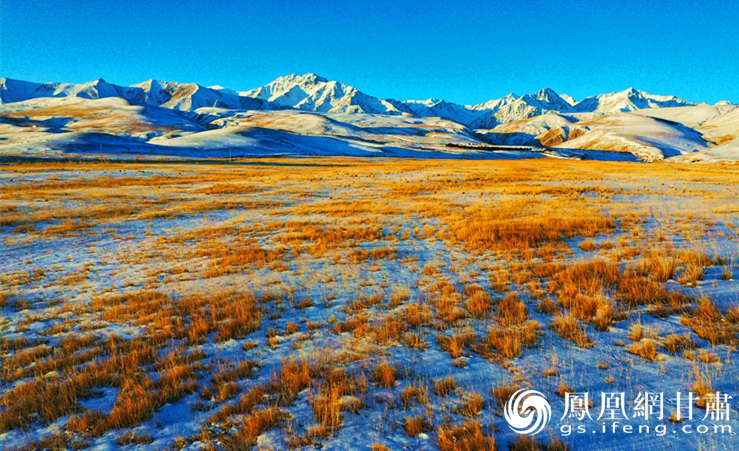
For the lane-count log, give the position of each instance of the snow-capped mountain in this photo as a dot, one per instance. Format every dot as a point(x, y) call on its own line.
point(19, 90)
point(569, 99)
point(298, 114)
point(512, 108)
point(190, 96)
point(172, 95)
point(155, 92)
point(311, 92)
point(16, 90)
point(627, 100)
point(442, 109)
point(496, 103)
point(550, 101)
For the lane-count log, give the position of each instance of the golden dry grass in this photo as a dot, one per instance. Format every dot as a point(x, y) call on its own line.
point(645, 348)
point(512, 227)
point(710, 324)
point(416, 393)
point(465, 437)
point(471, 406)
point(484, 243)
point(509, 342)
point(568, 328)
point(384, 375)
point(443, 387)
point(416, 425)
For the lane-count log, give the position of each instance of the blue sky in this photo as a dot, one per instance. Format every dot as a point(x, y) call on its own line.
point(464, 52)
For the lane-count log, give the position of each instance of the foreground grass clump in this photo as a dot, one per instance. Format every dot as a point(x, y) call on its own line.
point(645, 348)
point(465, 437)
point(416, 425)
point(568, 328)
point(384, 375)
point(710, 324)
point(443, 387)
point(509, 342)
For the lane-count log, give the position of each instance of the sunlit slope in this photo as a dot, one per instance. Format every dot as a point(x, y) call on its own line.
point(646, 137)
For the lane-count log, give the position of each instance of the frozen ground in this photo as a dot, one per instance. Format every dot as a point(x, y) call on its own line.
point(322, 303)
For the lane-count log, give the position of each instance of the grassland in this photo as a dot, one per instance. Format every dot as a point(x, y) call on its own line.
point(384, 304)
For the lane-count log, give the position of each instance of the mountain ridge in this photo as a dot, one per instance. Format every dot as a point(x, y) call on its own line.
point(311, 92)
point(309, 114)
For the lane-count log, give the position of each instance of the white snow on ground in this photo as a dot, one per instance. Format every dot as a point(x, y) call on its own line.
point(106, 253)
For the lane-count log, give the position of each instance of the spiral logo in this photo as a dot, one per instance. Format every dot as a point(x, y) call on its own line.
point(527, 412)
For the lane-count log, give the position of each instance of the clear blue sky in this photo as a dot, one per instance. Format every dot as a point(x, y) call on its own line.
point(465, 52)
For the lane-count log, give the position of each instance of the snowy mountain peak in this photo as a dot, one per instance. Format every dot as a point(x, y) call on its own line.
point(569, 99)
point(150, 84)
point(310, 77)
point(627, 100)
point(428, 102)
point(295, 79)
point(147, 84)
point(311, 92)
point(546, 94)
point(547, 99)
point(496, 103)
point(289, 90)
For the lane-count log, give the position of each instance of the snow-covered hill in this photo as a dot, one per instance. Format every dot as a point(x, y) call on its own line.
point(646, 137)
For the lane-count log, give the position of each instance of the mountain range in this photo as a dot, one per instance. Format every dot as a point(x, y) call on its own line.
point(311, 92)
point(163, 113)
